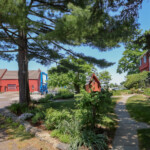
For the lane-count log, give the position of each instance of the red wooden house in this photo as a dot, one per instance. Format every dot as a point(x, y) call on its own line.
point(9, 80)
point(145, 61)
point(92, 83)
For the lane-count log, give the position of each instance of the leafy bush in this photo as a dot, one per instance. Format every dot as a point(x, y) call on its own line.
point(65, 138)
point(147, 91)
point(93, 106)
point(63, 94)
point(54, 117)
point(18, 108)
point(46, 99)
point(136, 80)
point(37, 117)
point(79, 137)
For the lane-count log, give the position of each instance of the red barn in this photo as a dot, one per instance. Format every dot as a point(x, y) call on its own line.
point(9, 80)
point(145, 61)
point(93, 84)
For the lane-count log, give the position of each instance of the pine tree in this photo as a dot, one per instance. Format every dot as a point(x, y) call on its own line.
point(36, 29)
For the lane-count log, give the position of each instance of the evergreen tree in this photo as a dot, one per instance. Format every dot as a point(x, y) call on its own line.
point(36, 29)
point(70, 72)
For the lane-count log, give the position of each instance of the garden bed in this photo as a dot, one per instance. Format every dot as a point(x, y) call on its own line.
point(49, 115)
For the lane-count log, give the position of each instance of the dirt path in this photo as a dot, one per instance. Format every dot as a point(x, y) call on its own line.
point(126, 134)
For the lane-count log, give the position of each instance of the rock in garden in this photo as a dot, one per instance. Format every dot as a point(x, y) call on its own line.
point(25, 116)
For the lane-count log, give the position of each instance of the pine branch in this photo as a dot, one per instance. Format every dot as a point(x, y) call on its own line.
point(39, 15)
point(9, 51)
point(63, 8)
point(43, 57)
point(11, 37)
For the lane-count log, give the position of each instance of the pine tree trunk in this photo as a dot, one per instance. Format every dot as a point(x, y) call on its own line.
point(24, 95)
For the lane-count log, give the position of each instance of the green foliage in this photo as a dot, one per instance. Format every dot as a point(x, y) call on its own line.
point(147, 91)
point(139, 108)
point(144, 138)
point(93, 106)
point(120, 92)
point(38, 116)
point(104, 78)
point(136, 80)
point(18, 108)
point(80, 137)
point(46, 99)
point(63, 94)
point(54, 117)
point(71, 72)
point(65, 138)
point(130, 61)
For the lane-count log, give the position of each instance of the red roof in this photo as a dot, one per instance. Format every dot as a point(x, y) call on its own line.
point(2, 71)
point(33, 74)
point(89, 79)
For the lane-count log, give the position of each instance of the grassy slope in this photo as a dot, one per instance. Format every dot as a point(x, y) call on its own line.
point(139, 109)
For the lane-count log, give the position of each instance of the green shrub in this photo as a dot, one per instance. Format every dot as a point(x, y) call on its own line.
point(46, 99)
point(63, 94)
point(78, 137)
point(21, 128)
point(136, 80)
point(93, 106)
point(18, 108)
point(147, 91)
point(37, 117)
point(65, 138)
point(54, 117)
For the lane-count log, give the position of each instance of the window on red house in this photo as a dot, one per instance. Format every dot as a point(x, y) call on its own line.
point(11, 86)
point(144, 59)
point(140, 62)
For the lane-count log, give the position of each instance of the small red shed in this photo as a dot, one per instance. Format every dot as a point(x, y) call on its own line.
point(145, 61)
point(92, 83)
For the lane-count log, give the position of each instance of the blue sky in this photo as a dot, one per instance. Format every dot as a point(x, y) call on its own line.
point(113, 56)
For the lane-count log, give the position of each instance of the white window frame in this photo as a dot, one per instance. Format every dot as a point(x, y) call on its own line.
point(140, 62)
point(144, 58)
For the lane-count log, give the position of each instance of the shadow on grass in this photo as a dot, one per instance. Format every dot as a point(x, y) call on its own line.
point(12, 130)
point(139, 108)
point(144, 139)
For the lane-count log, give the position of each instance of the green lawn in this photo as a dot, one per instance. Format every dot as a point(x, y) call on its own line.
point(139, 109)
point(120, 92)
point(144, 139)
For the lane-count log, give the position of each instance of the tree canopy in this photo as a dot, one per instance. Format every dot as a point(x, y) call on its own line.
point(70, 72)
point(131, 56)
point(104, 78)
point(38, 29)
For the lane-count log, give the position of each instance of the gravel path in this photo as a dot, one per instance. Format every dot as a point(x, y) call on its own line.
point(126, 134)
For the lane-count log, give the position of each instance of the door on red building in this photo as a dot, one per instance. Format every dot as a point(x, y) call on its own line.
point(12, 87)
